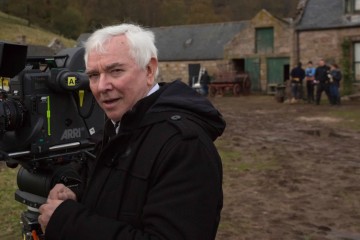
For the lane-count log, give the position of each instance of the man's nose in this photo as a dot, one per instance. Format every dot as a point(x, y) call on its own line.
point(104, 82)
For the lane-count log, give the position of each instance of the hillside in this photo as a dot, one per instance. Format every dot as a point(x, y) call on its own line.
point(71, 18)
point(12, 27)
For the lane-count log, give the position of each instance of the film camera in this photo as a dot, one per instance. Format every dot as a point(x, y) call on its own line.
point(47, 119)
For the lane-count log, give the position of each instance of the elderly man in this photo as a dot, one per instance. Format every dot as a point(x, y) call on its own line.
point(157, 174)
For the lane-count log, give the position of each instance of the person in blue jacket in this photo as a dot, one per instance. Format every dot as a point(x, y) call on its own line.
point(157, 174)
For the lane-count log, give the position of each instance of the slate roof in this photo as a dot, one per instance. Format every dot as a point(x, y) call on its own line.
point(37, 50)
point(325, 14)
point(195, 42)
point(81, 39)
point(192, 42)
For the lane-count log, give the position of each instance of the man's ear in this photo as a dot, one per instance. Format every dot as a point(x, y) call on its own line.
point(151, 71)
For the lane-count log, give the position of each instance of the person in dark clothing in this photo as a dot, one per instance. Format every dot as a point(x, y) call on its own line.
point(157, 174)
point(297, 75)
point(322, 81)
point(335, 78)
point(204, 82)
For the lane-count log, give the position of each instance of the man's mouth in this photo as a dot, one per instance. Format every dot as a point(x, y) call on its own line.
point(110, 102)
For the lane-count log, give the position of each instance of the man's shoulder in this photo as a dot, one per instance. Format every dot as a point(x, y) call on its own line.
point(182, 124)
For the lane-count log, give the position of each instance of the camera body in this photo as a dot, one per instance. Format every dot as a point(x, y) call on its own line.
point(48, 123)
point(48, 107)
point(48, 116)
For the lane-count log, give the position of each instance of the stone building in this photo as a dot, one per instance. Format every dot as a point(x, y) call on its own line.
point(324, 27)
point(184, 49)
point(264, 49)
point(38, 50)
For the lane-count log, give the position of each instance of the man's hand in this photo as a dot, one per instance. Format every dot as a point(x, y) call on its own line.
point(61, 192)
point(56, 196)
point(46, 210)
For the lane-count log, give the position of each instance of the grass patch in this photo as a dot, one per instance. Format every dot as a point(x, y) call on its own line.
point(12, 19)
point(227, 226)
point(236, 161)
point(12, 27)
point(350, 118)
point(228, 156)
point(260, 166)
point(10, 210)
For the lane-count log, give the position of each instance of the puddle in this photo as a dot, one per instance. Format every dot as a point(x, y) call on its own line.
point(334, 234)
point(311, 132)
point(342, 235)
point(324, 133)
point(320, 119)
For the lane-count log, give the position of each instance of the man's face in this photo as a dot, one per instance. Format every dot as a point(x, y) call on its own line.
point(321, 63)
point(116, 80)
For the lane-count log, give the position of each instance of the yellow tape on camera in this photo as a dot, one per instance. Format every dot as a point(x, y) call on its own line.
point(4, 83)
point(71, 81)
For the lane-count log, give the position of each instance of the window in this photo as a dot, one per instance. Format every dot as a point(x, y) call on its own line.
point(352, 6)
point(357, 61)
point(264, 40)
point(357, 5)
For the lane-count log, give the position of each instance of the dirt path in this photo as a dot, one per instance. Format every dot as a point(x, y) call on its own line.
point(290, 171)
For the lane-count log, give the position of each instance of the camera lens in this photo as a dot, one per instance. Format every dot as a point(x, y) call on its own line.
point(11, 115)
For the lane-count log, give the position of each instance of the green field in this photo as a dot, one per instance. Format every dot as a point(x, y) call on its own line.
point(12, 27)
point(10, 210)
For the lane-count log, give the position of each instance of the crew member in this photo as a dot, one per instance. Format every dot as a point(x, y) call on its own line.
point(158, 174)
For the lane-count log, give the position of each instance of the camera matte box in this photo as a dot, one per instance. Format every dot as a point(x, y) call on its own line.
point(12, 59)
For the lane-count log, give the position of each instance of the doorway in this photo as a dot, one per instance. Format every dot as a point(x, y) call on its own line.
point(278, 70)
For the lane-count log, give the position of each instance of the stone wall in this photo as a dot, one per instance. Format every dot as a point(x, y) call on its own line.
point(243, 45)
point(314, 45)
point(169, 71)
point(326, 44)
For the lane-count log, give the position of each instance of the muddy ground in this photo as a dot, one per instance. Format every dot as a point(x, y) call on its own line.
point(290, 171)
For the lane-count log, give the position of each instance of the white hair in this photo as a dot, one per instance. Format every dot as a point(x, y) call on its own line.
point(141, 42)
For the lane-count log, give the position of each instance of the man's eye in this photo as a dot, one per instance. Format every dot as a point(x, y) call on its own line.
point(93, 76)
point(116, 72)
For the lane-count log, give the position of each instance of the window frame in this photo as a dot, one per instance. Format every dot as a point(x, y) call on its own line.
point(352, 6)
point(356, 61)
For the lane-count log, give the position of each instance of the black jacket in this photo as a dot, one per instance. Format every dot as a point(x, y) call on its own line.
point(336, 76)
point(321, 74)
point(297, 75)
point(160, 177)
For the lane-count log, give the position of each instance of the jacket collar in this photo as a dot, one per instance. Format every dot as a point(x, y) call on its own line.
point(134, 117)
